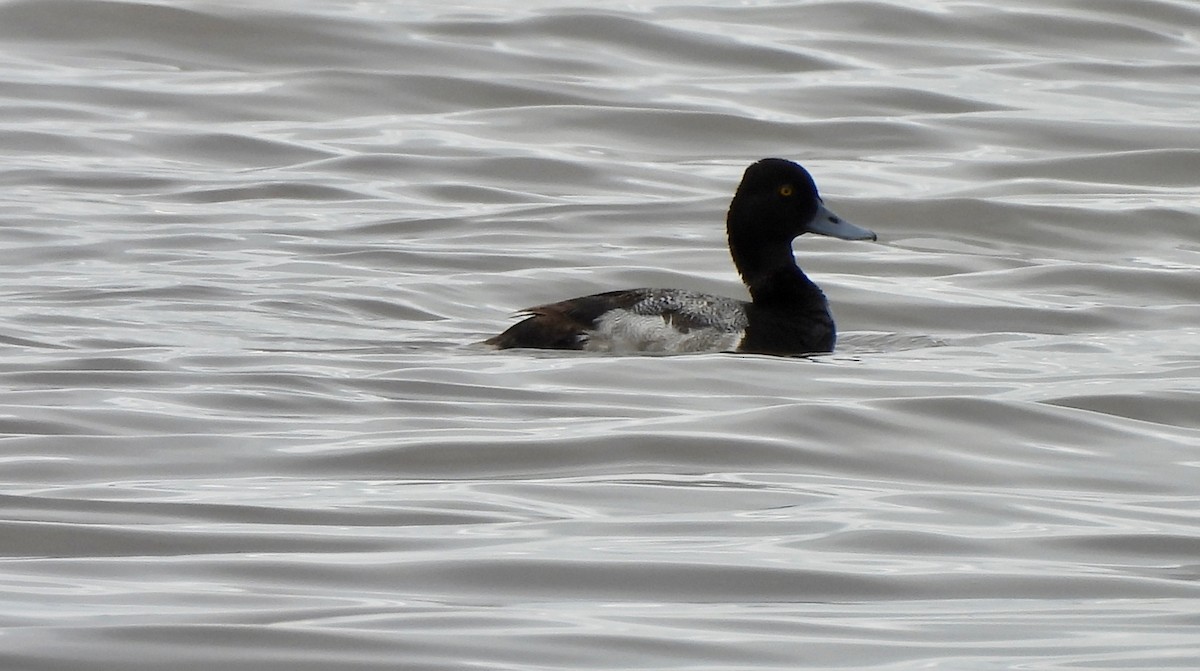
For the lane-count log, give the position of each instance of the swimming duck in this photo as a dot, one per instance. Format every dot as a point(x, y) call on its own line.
point(775, 202)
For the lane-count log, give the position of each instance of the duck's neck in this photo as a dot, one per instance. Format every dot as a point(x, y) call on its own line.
point(772, 276)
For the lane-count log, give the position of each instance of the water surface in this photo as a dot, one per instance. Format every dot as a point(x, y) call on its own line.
point(250, 251)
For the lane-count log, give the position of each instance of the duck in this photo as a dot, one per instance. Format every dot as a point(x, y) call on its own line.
point(787, 314)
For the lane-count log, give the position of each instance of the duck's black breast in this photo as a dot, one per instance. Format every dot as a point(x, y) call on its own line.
point(789, 315)
point(784, 332)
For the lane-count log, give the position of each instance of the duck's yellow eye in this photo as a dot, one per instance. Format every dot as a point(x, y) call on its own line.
point(786, 190)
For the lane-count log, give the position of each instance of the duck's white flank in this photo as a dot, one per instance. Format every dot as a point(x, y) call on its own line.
point(620, 331)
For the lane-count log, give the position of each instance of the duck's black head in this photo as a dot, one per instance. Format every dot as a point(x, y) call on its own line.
point(778, 201)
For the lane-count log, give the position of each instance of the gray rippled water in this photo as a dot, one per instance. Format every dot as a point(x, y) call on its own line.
point(250, 251)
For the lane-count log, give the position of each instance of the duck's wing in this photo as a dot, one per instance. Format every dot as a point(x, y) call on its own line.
point(660, 320)
point(563, 325)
